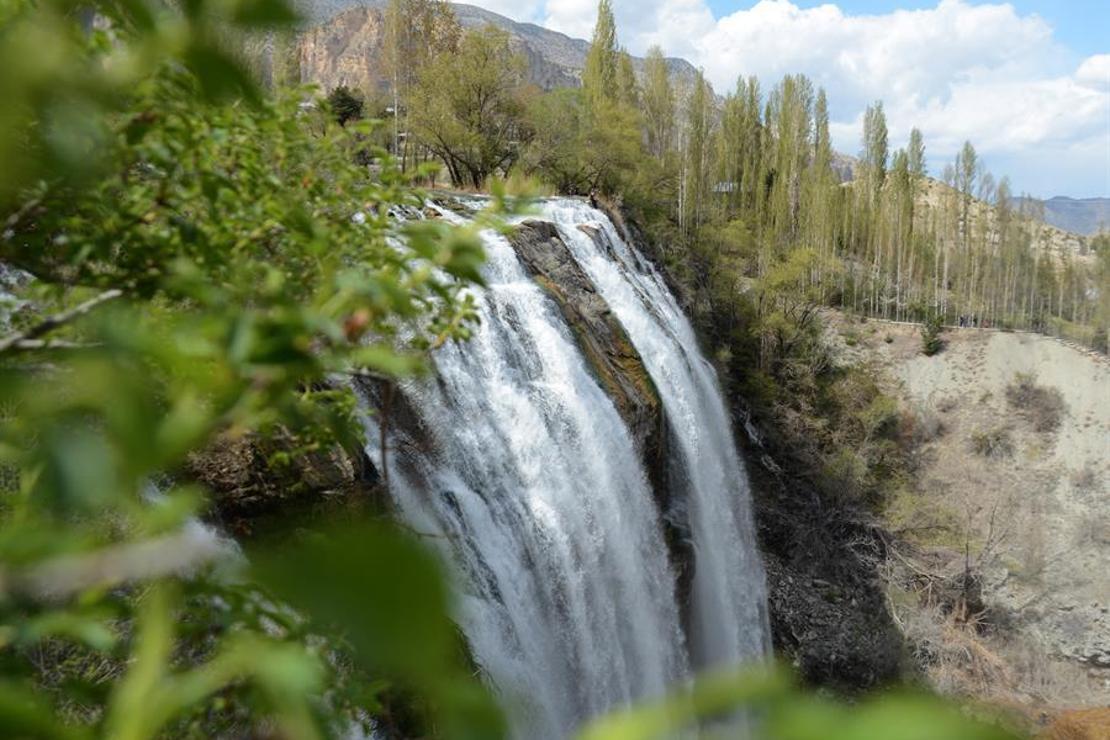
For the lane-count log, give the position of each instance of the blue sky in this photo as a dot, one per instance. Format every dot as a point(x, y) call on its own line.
point(1026, 81)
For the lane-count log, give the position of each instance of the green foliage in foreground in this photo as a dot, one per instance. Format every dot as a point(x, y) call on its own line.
point(204, 260)
point(775, 710)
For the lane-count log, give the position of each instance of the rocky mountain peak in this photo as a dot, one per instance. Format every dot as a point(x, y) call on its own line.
point(343, 46)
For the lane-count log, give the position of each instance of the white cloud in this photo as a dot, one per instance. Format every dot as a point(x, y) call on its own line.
point(1095, 70)
point(958, 71)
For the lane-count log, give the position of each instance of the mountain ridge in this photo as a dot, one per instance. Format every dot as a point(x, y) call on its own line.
point(355, 28)
point(1086, 216)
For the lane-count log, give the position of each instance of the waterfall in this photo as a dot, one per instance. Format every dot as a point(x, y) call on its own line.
point(729, 589)
point(519, 467)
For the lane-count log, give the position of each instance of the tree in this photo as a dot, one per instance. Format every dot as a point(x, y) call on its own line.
point(628, 89)
point(344, 105)
point(875, 148)
point(600, 75)
point(416, 32)
point(967, 169)
point(604, 150)
point(658, 104)
point(822, 142)
point(557, 152)
point(916, 152)
point(932, 341)
point(577, 152)
point(697, 184)
point(820, 189)
point(468, 108)
point(790, 108)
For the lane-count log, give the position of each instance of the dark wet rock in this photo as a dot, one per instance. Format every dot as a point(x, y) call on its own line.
point(828, 609)
point(599, 334)
point(257, 482)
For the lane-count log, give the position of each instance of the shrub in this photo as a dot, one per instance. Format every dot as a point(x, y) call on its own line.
point(1101, 340)
point(1043, 407)
point(345, 105)
point(931, 330)
point(993, 443)
point(920, 426)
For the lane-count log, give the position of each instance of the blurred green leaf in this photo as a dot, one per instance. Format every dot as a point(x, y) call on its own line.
point(773, 709)
point(25, 715)
point(385, 593)
point(220, 77)
point(87, 627)
point(265, 14)
point(382, 589)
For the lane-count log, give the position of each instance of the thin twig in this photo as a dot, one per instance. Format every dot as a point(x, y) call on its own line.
point(51, 323)
point(40, 344)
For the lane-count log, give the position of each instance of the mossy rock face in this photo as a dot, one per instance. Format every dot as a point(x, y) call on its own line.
point(607, 348)
point(619, 370)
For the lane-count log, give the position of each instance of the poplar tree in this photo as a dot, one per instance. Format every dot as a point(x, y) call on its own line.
point(658, 104)
point(875, 148)
point(697, 168)
point(916, 155)
point(600, 74)
point(791, 123)
point(820, 184)
point(628, 89)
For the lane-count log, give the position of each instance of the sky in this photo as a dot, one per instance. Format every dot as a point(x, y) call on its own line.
point(1026, 81)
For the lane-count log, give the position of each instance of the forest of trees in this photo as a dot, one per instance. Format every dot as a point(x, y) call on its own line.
point(748, 181)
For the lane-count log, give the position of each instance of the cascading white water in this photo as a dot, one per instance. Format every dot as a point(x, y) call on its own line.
point(568, 598)
point(731, 623)
point(527, 477)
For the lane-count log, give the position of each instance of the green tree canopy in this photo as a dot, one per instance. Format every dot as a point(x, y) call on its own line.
point(345, 105)
point(469, 108)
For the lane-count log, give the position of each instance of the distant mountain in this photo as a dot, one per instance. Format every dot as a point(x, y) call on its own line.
point(1052, 239)
point(343, 46)
point(1079, 215)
